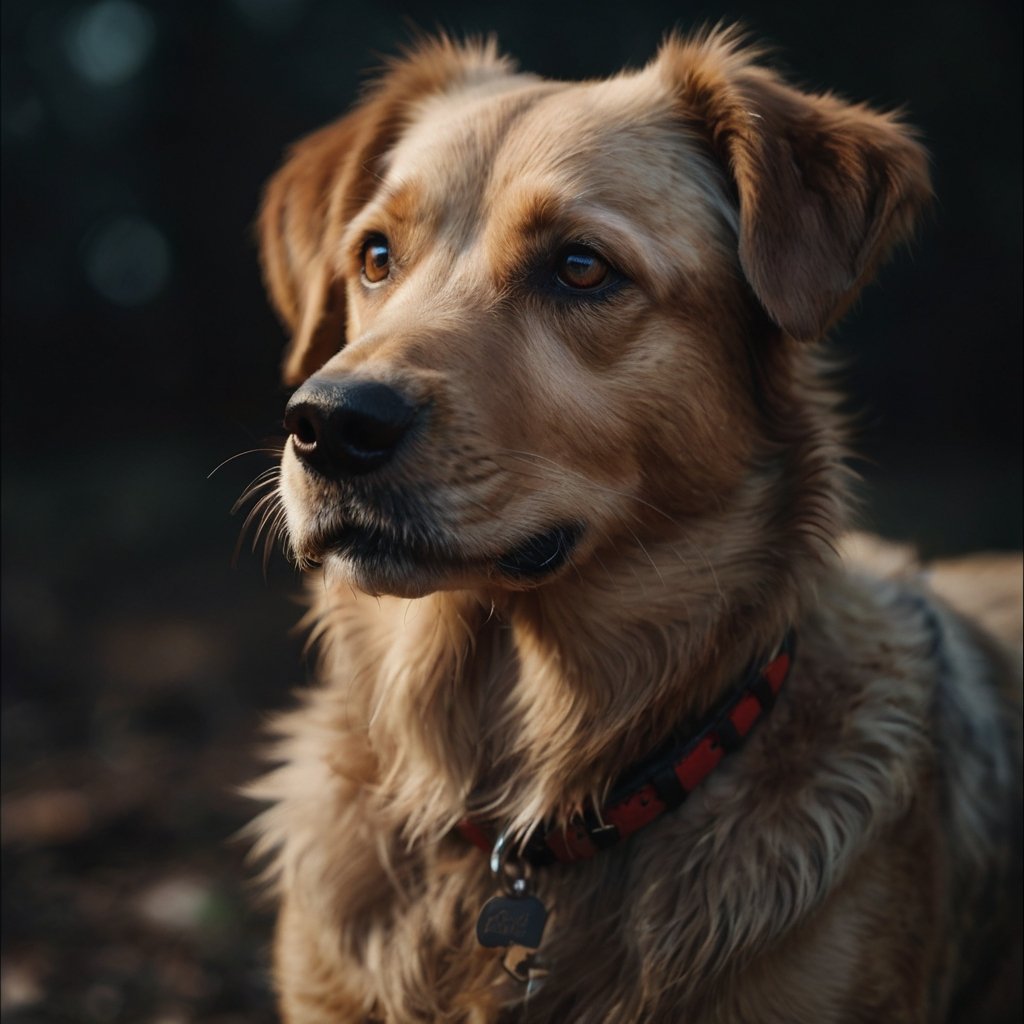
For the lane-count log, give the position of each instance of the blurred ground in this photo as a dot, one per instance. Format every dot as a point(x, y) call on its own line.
point(132, 709)
point(139, 353)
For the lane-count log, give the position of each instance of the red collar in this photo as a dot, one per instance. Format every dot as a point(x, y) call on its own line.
point(662, 781)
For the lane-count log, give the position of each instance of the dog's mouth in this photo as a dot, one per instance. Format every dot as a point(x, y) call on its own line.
point(541, 554)
point(384, 560)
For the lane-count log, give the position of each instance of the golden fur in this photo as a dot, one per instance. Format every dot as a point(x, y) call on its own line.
point(855, 860)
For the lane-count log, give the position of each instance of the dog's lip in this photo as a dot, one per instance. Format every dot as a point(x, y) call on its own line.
point(358, 541)
point(533, 558)
point(542, 553)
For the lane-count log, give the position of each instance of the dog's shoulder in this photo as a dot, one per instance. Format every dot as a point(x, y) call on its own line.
point(966, 614)
point(955, 628)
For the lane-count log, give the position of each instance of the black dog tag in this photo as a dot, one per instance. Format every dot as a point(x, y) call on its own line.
point(511, 921)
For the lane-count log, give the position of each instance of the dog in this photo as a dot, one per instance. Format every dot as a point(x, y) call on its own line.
point(615, 722)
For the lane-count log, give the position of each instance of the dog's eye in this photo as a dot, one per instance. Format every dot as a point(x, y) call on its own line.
point(376, 259)
point(581, 269)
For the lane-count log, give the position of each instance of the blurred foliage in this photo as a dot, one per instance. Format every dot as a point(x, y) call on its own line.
point(139, 352)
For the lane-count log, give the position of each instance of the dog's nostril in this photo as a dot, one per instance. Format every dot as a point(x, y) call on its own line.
point(304, 431)
point(304, 422)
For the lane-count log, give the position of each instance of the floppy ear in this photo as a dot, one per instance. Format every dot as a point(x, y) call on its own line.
point(825, 188)
point(294, 230)
point(328, 177)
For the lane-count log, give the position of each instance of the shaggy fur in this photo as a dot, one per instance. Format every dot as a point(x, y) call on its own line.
point(855, 861)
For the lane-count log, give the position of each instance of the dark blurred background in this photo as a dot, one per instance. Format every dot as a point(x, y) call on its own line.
point(140, 353)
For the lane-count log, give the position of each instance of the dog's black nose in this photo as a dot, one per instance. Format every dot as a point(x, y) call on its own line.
point(341, 428)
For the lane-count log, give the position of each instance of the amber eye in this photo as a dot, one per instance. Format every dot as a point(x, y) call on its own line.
point(376, 259)
point(581, 269)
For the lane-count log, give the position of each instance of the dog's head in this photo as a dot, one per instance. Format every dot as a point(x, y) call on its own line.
point(528, 316)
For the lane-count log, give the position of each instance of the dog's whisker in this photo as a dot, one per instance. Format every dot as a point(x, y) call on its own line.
point(273, 534)
point(253, 492)
point(267, 479)
point(259, 513)
point(275, 451)
point(266, 511)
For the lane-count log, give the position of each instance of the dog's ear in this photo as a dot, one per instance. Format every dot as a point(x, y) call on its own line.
point(294, 228)
point(825, 188)
point(328, 176)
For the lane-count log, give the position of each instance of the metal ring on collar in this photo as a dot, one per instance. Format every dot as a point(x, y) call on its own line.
point(509, 872)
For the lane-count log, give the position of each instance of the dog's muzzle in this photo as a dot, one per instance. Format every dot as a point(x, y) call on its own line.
point(344, 432)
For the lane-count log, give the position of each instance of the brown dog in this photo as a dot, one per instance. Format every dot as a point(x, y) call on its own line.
point(564, 458)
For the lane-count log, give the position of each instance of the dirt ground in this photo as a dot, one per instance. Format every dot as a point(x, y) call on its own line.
point(136, 674)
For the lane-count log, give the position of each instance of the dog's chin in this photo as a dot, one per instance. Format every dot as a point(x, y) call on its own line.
point(386, 575)
point(377, 563)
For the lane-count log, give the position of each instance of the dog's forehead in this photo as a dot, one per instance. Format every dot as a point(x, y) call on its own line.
point(617, 144)
point(459, 132)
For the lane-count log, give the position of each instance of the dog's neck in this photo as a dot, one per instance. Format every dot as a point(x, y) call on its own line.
point(524, 707)
point(604, 677)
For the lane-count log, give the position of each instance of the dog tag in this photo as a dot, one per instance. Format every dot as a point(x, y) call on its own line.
point(521, 963)
point(515, 921)
point(511, 921)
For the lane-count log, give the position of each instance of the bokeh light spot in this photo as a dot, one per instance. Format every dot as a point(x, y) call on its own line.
point(128, 261)
point(109, 42)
